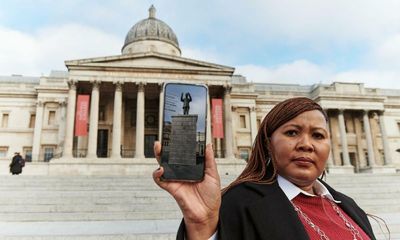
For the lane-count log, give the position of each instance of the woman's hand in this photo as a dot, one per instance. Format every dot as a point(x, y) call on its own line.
point(198, 201)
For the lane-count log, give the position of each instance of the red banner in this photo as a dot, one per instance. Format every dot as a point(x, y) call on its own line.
point(217, 119)
point(81, 116)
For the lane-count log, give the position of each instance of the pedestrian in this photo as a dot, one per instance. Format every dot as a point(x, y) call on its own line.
point(17, 164)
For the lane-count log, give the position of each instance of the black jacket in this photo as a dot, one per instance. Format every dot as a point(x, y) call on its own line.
point(15, 166)
point(259, 211)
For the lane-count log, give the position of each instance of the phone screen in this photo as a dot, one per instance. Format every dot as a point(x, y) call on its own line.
point(184, 131)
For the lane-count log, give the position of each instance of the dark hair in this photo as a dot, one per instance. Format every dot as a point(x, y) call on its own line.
point(260, 168)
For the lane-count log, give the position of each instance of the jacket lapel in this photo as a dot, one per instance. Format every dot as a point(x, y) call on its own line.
point(273, 215)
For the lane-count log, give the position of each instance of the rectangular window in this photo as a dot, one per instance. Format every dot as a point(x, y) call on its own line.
point(242, 120)
point(398, 125)
point(366, 156)
point(244, 154)
point(201, 149)
point(3, 151)
point(102, 113)
point(28, 153)
point(200, 137)
point(382, 155)
point(133, 118)
point(353, 160)
point(4, 122)
point(48, 153)
point(52, 118)
point(32, 120)
point(362, 125)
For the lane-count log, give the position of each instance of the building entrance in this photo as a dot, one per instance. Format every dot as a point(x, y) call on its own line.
point(102, 143)
point(149, 145)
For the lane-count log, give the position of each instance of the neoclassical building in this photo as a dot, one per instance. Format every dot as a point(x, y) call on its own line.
point(38, 115)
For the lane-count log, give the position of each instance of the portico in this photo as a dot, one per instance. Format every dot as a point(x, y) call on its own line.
point(357, 129)
point(126, 108)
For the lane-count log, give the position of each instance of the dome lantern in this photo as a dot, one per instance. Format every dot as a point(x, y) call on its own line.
point(152, 12)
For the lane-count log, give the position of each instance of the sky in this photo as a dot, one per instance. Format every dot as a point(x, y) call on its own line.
point(272, 41)
point(197, 106)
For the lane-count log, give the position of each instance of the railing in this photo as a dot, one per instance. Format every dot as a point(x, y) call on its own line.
point(82, 153)
point(57, 155)
point(127, 152)
point(219, 153)
point(103, 153)
point(79, 152)
point(47, 157)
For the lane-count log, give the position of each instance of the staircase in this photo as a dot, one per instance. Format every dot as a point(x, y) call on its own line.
point(376, 194)
point(133, 207)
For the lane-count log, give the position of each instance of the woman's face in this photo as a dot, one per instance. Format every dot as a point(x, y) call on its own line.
point(300, 148)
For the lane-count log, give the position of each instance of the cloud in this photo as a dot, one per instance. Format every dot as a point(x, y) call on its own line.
point(375, 78)
point(207, 55)
point(48, 48)
point(287, 41)
point(387, 53)
point(19, 52)
point(306, 73)
point(314, 20)
point(297, 72)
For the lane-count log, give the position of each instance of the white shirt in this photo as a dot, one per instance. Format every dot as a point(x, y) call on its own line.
point(291, 191)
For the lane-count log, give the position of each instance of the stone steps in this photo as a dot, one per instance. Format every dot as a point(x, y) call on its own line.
point(141, 229)
point(85, 207)
point(98, 201)
point(97, 237)
point(85, 216)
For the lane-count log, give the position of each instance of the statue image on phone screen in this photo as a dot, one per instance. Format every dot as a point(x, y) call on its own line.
point(183, 132)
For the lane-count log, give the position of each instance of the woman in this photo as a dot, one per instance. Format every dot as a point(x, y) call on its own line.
point(278, 195)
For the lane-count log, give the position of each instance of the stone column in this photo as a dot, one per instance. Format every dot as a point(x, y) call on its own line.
point(208, 128)
point(139, 152)
point(37, 134)
point(343, 138)
point(218, 149)
point(335, 138)
point(94, 120)
point(385, 142)
point(69, 133)
point(234, 124)
point(61, 125)
point(253, 123)
point(160, 112)
point(330, 157)
point(359, 145)
point(228, 123)
point(370, 147)
point(117, 118)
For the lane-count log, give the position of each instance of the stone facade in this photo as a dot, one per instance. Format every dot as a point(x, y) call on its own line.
point(364, 122)
point(37, 114)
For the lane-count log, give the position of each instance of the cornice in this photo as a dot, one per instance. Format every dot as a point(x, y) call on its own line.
point(189, 71)
point(18, 95)
point(369, 98)
point(244, 95)
point(115, 58)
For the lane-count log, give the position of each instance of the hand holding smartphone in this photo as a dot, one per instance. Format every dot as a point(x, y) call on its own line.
point(184, 130)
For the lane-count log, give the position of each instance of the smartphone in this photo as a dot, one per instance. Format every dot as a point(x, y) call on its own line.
point(183, 134)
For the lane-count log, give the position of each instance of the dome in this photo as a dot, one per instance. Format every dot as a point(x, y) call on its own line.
point(151, 34)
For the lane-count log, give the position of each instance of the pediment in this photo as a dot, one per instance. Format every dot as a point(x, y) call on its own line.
point(153, 61)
